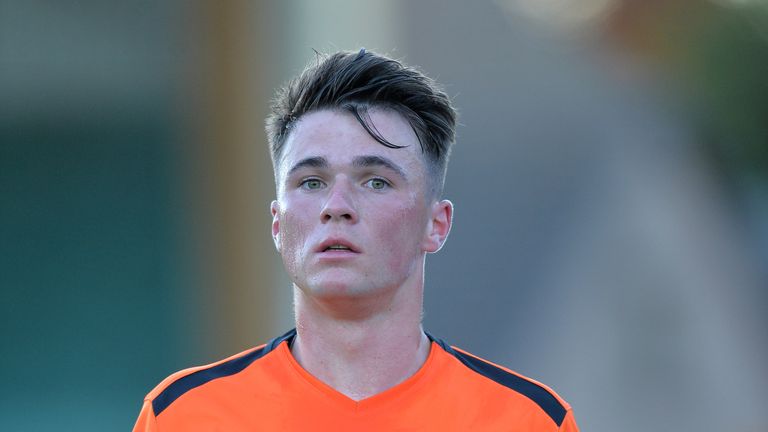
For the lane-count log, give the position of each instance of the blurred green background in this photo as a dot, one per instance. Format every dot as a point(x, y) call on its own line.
point(610, 182)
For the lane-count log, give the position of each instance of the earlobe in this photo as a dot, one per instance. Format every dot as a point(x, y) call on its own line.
point(439, 226)
point(274, 208)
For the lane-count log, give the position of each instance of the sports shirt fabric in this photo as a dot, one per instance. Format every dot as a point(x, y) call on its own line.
point(265, 389)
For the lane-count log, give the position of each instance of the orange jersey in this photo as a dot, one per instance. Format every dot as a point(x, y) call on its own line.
point(265, 389)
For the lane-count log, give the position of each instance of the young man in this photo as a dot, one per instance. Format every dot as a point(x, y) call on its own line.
point(359, 146)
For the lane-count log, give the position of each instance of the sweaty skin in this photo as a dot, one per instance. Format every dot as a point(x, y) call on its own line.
point(353, 222)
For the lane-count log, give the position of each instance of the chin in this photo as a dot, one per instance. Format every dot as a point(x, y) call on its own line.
point(341, 286)
point(337, 289)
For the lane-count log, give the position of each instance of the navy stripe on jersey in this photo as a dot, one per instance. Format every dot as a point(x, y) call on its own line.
point(196, 379)
point(541, 396)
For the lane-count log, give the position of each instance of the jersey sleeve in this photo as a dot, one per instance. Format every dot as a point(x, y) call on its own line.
point(146, 421)
point(569, 423)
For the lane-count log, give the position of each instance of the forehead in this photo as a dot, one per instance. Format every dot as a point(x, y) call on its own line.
point(339, 138)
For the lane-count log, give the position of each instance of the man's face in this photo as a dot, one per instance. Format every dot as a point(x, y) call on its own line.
point(352, 217)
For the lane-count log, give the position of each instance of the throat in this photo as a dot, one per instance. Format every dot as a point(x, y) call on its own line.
point(360, 365)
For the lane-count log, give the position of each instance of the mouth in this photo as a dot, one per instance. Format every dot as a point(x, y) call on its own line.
point(336, 245)
point(337, 248)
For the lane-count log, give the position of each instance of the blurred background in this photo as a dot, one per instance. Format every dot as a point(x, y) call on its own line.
point(610, 182)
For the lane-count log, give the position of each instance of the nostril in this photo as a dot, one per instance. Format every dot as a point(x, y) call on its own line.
point(338, 207)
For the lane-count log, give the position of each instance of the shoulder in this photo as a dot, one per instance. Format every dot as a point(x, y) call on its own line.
point(509, 382)
point(181, 382)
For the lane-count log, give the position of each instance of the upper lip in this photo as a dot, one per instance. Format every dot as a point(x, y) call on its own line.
point(334, 241)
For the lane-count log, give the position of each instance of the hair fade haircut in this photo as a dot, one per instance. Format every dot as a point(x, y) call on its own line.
point(357, 82)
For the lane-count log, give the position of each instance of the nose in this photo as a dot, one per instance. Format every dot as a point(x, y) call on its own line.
point(340, 204)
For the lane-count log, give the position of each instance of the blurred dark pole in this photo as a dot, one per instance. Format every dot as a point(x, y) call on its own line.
point(231, 174)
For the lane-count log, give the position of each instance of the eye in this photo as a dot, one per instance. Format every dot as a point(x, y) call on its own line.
point(312, 184)
point(377, 183)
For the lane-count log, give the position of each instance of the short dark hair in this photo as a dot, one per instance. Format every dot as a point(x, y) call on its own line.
point(358, 81)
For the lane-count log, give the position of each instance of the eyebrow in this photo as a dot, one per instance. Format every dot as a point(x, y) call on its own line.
point(378, 161)
point(358, 162)
point(310, 162)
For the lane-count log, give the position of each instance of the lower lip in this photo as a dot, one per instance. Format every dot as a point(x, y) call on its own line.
point(337, 254)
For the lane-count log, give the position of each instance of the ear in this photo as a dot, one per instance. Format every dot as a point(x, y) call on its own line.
point(439, 226)
point(274, 208)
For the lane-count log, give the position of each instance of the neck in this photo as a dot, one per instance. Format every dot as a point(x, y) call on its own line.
point(361, 355)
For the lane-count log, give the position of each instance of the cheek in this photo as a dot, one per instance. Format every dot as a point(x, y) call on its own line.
point(293, 235)
point(400, 235)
